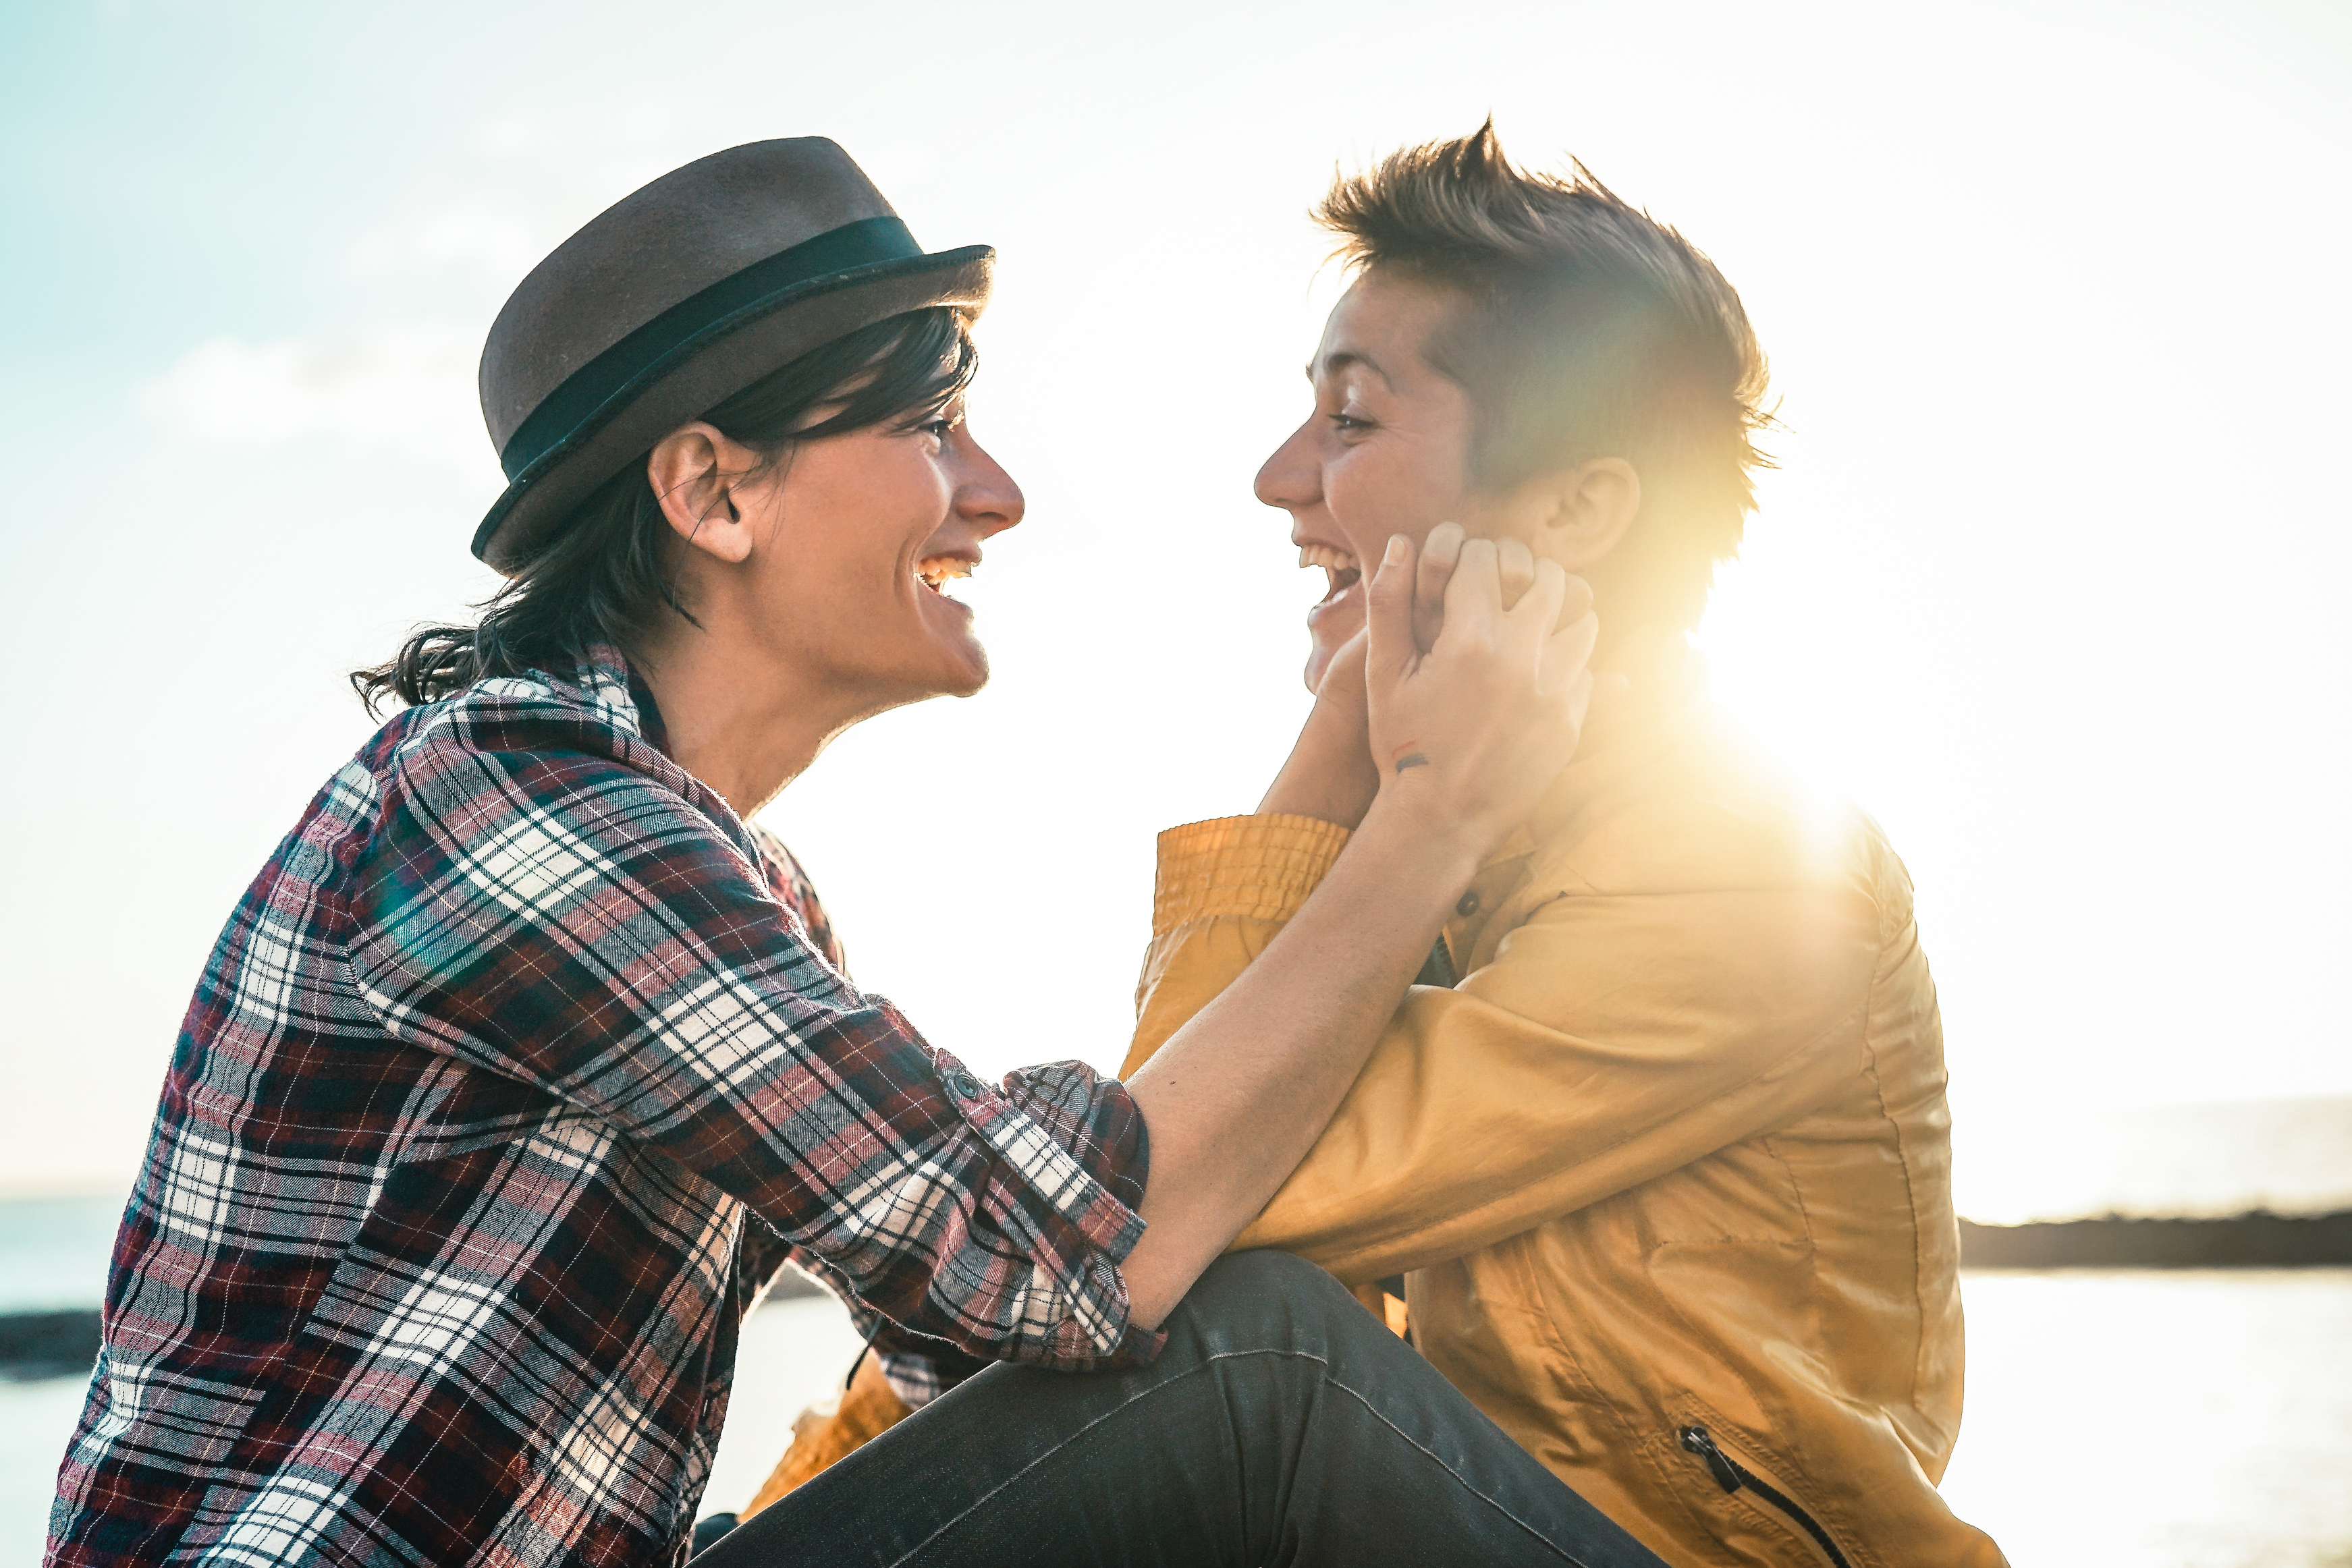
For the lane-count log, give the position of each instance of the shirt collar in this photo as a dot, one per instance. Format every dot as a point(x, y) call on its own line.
point(620, 694)
point(649, 714)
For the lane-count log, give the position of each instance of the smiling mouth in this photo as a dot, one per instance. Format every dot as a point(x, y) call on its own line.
point(1341, 571)
point(935, 572)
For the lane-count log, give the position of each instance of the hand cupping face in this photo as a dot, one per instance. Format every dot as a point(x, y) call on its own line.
point(1476, 677)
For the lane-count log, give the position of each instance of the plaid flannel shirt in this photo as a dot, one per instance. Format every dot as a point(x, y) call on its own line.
point(510, 1085)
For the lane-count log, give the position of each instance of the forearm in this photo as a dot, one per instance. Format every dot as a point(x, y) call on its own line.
point(1238, 1096)
point(1330, 774)
point(1467, 735)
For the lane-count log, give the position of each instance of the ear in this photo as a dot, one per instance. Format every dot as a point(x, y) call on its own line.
point(694, 471)
point(1581, 515)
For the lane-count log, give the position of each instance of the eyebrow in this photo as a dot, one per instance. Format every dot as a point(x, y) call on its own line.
point(1334, 363)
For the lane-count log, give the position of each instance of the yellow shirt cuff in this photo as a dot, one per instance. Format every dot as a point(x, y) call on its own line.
point(1251, 868)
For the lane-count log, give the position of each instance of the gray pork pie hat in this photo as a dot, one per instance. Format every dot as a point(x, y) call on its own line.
point(674, 299)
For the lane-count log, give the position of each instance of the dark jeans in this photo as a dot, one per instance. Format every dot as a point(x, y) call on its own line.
point(1281, 1426)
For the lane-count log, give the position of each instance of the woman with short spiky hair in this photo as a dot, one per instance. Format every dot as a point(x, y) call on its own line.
point(1662, 1162)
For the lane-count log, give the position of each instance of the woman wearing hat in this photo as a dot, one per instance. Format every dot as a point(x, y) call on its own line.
point(525, 1064)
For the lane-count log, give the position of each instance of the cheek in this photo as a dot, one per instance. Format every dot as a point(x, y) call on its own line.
point(897, 507)
point(1373, 493)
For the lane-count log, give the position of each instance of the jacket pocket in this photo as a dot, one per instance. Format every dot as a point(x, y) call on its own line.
point(1732, 1475)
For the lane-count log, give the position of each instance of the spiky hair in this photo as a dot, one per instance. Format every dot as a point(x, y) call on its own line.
point(1588, 328)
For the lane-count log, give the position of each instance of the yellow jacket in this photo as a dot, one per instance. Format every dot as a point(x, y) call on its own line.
point(1672, 1159)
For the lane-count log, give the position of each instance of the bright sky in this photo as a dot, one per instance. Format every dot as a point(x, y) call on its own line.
point(2047, 580)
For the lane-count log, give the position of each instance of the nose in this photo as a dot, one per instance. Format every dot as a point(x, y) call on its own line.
point(986, 496)
point(1291, 478)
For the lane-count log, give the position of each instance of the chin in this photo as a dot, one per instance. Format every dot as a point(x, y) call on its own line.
point(936, 672)
point(1320, 655)
point(966, 676)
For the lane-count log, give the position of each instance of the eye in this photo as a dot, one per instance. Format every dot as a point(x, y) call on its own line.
point(939, 422)
point(1350, 424)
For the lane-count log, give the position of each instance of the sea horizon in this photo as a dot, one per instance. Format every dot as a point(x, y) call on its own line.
point(2263, 1443)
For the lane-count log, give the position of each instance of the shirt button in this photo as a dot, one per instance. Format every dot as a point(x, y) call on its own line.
point(964, 1085)
point(1469, 905)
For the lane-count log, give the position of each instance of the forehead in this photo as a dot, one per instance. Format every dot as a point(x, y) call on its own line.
point(1381, 327)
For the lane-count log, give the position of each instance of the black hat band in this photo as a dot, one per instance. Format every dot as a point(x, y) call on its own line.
point(578, 400)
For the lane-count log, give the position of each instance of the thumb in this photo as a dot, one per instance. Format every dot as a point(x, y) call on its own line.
point(1343, 681)
point(1388, 617)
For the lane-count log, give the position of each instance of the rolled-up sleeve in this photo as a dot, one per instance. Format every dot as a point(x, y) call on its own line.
point(576, 925)
point(1225, 888)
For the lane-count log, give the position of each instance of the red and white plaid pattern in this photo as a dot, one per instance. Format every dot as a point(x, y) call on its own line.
point(511, 1082)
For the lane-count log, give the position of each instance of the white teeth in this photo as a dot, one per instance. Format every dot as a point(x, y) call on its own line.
point(1328, 558)
point(935, 571)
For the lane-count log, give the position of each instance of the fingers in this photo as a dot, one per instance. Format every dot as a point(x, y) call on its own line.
point(1570, 596)
point(1567, 652)
point(1539, 606)
point(1579, 701)
point(1571, 645)
point(1389, 651)
point(1514, 572)
point(1576, 601)
point(1544, 616)
point(1473, 599)
point(1440, 552)
point(1517, 566)
point(1343, 679)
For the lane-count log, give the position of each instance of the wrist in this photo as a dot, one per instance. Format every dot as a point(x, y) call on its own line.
point(1446, 847)
point(1330, 774)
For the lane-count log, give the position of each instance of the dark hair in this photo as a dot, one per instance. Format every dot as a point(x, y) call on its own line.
point(603, 576)
point(1587, 330)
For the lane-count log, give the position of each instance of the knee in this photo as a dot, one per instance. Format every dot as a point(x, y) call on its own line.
point(1273, 1299)
point(1267, 1273)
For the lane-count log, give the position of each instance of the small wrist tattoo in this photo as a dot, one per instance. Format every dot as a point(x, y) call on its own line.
point(1411, 759)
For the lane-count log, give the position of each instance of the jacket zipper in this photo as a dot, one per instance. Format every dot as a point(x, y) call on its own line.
point(1731, 1475)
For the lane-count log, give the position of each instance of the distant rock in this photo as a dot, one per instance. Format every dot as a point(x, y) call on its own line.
point(2258, 1240)
point(48, 1344)
point(35, 1345)
point(65, 1343)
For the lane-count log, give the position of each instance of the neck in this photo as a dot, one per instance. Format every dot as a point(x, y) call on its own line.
point(745, 725)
